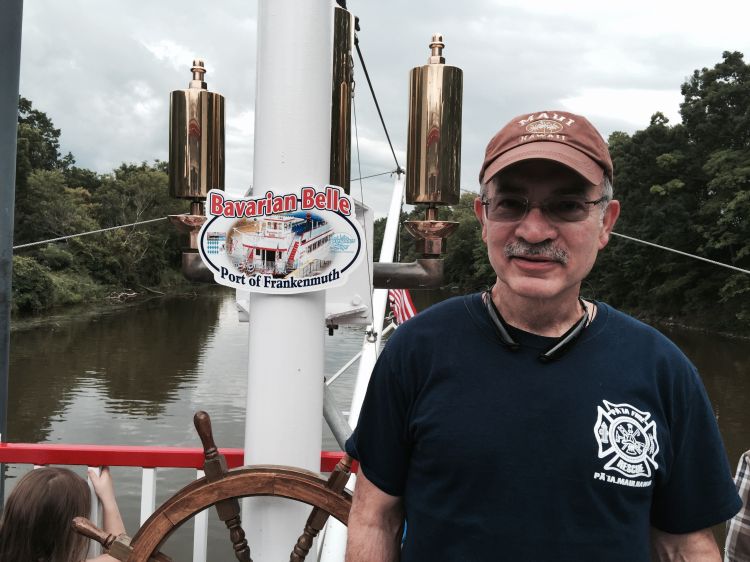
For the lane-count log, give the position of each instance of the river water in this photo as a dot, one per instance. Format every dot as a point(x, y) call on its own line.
point(135, 375)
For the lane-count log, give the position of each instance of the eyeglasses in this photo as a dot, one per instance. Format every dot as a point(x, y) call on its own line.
point(510, 207)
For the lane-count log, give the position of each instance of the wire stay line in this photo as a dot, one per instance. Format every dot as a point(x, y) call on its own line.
point(30, 244)
point(391, 172)
point(362, 194)
point(399, 169)
point(683, 253)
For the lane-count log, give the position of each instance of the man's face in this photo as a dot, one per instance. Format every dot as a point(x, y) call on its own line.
point(540, 256)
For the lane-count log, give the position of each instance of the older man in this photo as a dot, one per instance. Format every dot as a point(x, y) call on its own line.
point(526, 422)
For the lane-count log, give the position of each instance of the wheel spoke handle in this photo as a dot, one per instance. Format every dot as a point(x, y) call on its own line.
point(116, 546)
point(215, 468)
point(318, 517)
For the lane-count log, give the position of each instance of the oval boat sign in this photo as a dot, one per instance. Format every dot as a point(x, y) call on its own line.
point(287, 243)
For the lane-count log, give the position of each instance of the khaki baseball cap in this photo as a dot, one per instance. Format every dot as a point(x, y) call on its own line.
point(551, 135)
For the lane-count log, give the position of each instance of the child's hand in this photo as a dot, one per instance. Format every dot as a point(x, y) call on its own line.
point(103, 485)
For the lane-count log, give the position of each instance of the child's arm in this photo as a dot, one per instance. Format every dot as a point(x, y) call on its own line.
point(111, 519)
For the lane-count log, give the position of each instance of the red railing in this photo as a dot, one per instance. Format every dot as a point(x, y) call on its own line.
point(147, 459)
point(117, 455)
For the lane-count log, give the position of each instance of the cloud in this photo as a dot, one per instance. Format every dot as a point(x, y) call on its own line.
point(633, 107)
point(103, 71)
point(166, 50)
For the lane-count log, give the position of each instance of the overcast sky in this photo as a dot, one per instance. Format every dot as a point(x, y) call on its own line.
point(103, 70)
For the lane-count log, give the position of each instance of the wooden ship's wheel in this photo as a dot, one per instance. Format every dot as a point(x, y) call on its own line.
point(222, 488)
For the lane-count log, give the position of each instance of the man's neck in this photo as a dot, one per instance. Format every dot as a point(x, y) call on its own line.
point(544, 317)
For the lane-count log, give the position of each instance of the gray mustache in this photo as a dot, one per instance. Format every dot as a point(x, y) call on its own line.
point(545, 249)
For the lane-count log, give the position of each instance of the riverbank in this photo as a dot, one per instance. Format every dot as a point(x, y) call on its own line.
point(111, 299)
point(173, 284)
point(698, 323)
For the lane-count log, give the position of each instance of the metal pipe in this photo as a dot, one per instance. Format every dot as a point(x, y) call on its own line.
point(335, 419)
point(193, 268)
point(286, 332)
point(420, 274)
point(10, 62)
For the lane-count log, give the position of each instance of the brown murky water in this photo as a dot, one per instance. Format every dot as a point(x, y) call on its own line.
point(135, 375)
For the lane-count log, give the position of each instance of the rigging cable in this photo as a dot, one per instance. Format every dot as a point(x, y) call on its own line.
point(85, 233)
point(362, 198)
point(376, 175)
point(682, 253)
point(399, 169)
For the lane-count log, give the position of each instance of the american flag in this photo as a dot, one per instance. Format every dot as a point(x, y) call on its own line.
point(401, 304)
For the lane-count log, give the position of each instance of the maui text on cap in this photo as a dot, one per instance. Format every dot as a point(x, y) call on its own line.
point(551, 135)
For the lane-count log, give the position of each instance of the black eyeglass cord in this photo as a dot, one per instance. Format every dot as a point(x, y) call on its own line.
point(561, 346)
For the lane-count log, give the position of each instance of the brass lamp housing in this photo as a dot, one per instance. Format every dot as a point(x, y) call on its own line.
point(196, 139)
point(434, 148)
point(341, 98)
point(434, 144)
point(196, 160)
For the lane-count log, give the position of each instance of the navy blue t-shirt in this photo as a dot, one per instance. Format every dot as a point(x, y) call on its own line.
point(499, 456)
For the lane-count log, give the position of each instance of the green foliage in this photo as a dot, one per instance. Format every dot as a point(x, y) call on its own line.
point(715, 106)
point(50, 208)
point(55, 257)
point(32, 285)
point(466, 262)
point(55, 199)
point(74, 287)
point(38, 148)
point(134, 256)
point(687, 187)
point(134, 192)
point(38, 143)
point(81, 177)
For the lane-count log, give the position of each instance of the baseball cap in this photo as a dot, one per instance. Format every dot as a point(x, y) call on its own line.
point(551, 135)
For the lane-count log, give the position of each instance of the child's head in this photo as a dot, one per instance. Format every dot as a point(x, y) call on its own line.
point(36, 524)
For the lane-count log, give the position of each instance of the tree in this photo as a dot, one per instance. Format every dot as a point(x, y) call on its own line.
point(81, 177)
point(54, 198)
point(134, 192)
point(38, 143)
point(466, 263)
point(32, 285)
point(716, 115)
point(50, 209)
point(38, 148)
point(686, 187)
point(135, 255)
point(655, 183)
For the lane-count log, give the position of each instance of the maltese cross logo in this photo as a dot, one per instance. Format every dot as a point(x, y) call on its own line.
point(627, 439)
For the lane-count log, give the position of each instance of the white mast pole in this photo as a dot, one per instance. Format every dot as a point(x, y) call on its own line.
point(334, 544)
point(286, 333)
point(371, 349)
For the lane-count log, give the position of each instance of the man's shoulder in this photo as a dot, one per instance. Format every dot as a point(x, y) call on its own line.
point(632, 332)
point(441, 316)
point(445, 319)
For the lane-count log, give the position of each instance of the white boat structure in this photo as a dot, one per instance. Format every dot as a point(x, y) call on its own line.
point(304, 85)
point(281, 245)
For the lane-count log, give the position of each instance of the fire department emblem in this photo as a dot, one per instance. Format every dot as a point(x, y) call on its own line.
point(627, 439)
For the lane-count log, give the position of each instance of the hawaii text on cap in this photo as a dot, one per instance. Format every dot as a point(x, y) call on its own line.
point(551, 135)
